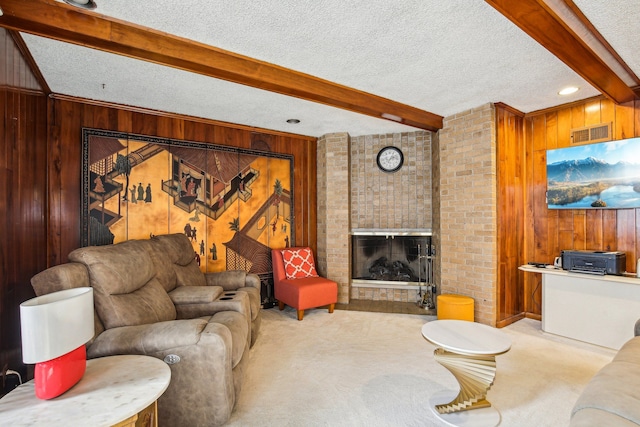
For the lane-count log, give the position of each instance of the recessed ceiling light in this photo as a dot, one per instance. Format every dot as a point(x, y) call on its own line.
point(568, 90)
point(85, 4)
point(293, 121)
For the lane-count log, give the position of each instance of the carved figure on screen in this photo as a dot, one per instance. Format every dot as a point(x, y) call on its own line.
point(133, 194)
point(214, 251)
point(99, 188)
point(147, 198)
point(241, 182)
point(182, 187)
point(202, 247)
point(140, 192)
point(187, 230)
point(191, 186)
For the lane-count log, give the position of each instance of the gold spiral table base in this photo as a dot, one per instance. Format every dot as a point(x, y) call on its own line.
point(487, 416)
point(475, 375)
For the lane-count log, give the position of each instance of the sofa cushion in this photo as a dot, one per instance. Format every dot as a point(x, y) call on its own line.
point(614, 389)
point(179, 252)
point(298, 263)
point(589, 417)
point(147, 339)
point(126, 290)
point(629, 352)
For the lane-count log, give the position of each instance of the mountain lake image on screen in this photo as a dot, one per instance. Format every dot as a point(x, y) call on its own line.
point(602, 175)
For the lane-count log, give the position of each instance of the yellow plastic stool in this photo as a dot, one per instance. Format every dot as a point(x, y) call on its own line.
point(457, 307)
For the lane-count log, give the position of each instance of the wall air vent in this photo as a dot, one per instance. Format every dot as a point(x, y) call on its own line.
point(590, 134)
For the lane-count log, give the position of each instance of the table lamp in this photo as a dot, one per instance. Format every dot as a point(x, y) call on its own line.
point(55, 328)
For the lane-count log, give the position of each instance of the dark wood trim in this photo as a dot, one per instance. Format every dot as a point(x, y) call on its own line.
point(534, 18)
point(533, 316)
point(167, 114)
point(22, 91)
point(509, 108)
point(24, 50)
point(513, 319)
point(65, 23)
point(585, 21)
point(563, 106)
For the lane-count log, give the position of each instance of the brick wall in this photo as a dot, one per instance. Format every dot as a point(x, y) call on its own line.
point(391, 200)
point(333, 251)
point(468, 211)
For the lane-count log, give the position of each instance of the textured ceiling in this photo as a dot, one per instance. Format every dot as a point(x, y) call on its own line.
point(440, 56)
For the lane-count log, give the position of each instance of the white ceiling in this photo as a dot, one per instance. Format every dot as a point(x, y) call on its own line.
point(440, 56)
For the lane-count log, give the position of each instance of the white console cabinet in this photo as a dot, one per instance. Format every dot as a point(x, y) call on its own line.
point(600, 310)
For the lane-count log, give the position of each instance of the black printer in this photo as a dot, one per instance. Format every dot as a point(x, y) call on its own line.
point(594, 262)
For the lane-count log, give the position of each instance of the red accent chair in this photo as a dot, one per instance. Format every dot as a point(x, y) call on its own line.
point(307, 290)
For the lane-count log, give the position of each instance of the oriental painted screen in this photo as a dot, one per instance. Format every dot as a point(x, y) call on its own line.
point(233, 204)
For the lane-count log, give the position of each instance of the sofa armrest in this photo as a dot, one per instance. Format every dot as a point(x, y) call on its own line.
point(231, 280)
point(194, 294)
point(253, 281)
point(239, 302)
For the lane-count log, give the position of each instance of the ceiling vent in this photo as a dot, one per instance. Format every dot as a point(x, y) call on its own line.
point(590, 134)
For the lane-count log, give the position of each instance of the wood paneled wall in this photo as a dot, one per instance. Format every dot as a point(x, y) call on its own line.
point(547, 232)
point(23, 155)
point(67, 117)
point(510, 180)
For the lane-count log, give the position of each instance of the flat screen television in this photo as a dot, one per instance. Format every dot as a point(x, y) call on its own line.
point(605, 175)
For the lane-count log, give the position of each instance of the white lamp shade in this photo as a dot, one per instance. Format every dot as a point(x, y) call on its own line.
point(55, 324)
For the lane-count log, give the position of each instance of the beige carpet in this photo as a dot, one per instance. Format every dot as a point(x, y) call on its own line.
point(354, 368)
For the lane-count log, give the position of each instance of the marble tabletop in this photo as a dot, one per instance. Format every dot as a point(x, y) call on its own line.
point(112, 389)
point(464, 337)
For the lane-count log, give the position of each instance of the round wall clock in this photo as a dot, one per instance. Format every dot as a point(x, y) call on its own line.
point(390, 159)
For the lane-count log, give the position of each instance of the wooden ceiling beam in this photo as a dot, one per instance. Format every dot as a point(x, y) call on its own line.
point(59, 21)
point(536, 19)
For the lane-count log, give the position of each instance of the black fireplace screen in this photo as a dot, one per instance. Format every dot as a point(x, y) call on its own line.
point(392, 258)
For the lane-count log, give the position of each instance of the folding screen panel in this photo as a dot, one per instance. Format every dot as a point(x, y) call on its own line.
point(233, 204)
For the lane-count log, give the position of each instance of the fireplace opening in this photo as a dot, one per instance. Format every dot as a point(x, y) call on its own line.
point(404, 257)
point(383, 269)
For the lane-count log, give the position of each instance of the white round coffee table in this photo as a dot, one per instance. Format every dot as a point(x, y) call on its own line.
point(468, 350)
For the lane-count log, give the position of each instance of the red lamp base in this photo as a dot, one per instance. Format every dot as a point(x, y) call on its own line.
point(55, 376)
